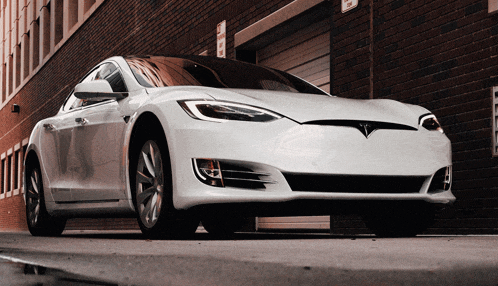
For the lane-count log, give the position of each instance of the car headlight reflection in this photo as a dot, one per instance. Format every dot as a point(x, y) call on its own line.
point(218, 111)
point(430, 122)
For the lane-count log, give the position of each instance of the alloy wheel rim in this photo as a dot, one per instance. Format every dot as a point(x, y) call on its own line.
point(33, 198)
point(150, 184)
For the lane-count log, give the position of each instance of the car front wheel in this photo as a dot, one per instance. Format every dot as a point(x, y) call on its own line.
point(153, 194)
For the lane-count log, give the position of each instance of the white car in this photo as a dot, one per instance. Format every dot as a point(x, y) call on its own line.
point(179, 140)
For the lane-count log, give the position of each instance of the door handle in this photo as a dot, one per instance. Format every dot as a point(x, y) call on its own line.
point(49, 127)
point(81, 121)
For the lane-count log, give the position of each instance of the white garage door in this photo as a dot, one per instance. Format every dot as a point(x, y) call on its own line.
point(305, 54)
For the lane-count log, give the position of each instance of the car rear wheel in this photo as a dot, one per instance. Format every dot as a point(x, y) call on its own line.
point(40, 223)
point(153, 194)
point(399, 219)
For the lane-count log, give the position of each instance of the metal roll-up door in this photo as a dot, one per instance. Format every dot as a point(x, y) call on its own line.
point(305, 54)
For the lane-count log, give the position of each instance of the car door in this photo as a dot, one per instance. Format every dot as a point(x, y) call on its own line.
point(98, 139)
point(57, 148)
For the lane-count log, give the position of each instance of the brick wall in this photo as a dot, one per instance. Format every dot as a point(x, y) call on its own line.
point(442, 55)
point(351, 52)
point(12, 214)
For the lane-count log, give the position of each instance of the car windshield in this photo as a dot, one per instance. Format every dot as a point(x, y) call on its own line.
point(159, 71)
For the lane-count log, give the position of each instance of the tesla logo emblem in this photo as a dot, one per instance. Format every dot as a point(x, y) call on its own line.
point(366, 128)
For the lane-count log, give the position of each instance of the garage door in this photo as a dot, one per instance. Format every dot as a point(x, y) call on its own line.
point(305, 54)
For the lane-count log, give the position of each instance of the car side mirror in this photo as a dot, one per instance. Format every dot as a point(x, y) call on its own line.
point(97, 90)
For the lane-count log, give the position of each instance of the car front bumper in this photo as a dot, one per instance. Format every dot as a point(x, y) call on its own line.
point(284, 149)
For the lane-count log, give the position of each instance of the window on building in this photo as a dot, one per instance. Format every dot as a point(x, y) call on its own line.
point(72, 13)
point(4, 82)
point(21, 168)
point(3, 177)
point(24, 17)
point(8, 171)
point(88, 4)
point(59, 20)
point(26, 55)
point(16, 23)
point(36, 43)
point(11, 74)
point(16, 175)
point(46, 30)
point(18, 65)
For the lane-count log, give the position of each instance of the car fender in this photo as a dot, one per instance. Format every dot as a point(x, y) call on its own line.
point(164, 106)
point(33, 149)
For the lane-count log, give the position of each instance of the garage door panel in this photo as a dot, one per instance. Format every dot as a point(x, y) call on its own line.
point(306, 52)
point(318, 76)
point(316, 222)
point(319, 43)
point(307, 70)
point(308, 226)
point(296, 39)
point(323, 83)
point(297, 219)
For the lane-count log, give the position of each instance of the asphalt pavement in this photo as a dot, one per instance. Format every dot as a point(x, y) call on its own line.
point(127, 258)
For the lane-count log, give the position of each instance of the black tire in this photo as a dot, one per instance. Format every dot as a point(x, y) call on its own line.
point(40, 223)
point(222, 225)
point(399, 219)
point(153, 193)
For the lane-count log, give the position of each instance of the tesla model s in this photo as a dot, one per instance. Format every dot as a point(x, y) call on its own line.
point(176, 141)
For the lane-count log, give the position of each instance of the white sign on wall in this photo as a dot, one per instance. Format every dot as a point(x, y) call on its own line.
point(348, 5)
point(221, 41)
point(493, 6)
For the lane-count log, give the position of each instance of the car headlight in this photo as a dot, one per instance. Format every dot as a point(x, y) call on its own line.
point(219, 111)
point(430, 122)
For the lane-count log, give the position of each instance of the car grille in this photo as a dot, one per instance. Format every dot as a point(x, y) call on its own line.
point(365, 127)
point(354, 184)
point(356, 124)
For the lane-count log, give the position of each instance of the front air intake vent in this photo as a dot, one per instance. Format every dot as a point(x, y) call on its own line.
point(354, 184)
point(441, 181)
point(242, 177)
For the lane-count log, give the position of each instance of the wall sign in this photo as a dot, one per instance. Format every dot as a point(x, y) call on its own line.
point(492, 6)
point(347, 5)
point(221, 41)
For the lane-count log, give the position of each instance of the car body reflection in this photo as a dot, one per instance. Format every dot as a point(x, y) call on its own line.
point(16, 273)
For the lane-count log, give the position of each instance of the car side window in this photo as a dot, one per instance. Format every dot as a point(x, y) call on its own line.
point(107, 71)
point(112, 74)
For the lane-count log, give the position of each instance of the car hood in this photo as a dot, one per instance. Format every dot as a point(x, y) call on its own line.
point(313, 107)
